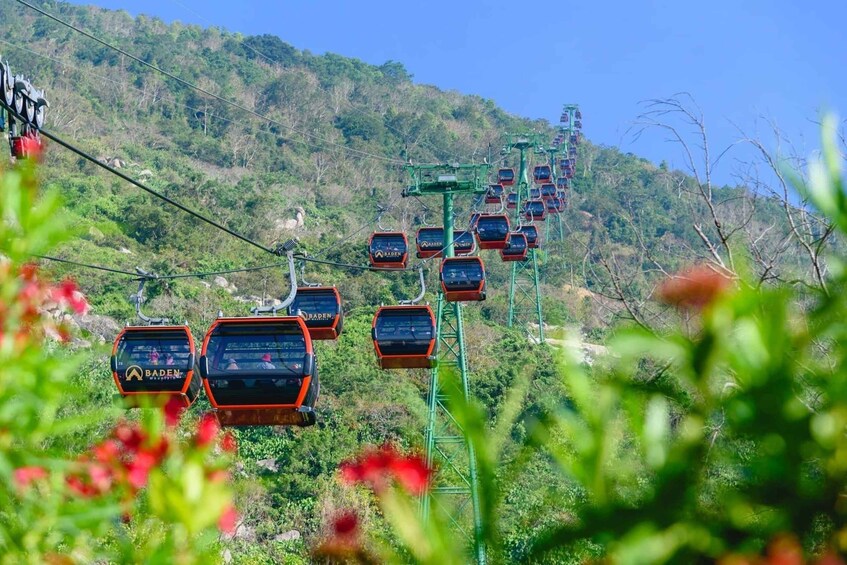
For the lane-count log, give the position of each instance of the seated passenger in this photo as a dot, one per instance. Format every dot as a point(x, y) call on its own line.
point(266, 362)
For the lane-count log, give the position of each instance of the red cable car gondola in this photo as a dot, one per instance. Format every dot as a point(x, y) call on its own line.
point(512, 200)
point(494, 195)
point(429, 241)
point(531, 234)
point(404, 337)
point(548, 190)
point(320, 307)
point(463, 279)
point(534, 193)
point(517, 248)
point(578, 115)
point(562, 183)
point(542, 174)
point(554, 205)
point(506, 177)
point(492, 231)
point(389, 250)
point(535, 210)
point(464, 242)
point(260, 371)
point(155, 361)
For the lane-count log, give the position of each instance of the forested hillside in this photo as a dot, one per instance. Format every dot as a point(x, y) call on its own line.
point(331, 150)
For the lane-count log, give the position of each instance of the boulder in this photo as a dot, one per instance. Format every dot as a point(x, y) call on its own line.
point(103, 327)
point(290, 535)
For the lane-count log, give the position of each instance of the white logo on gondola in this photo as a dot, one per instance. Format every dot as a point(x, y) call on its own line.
point(134, 372)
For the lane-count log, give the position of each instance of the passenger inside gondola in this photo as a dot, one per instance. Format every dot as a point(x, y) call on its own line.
point(146, 353)
point(463, 274)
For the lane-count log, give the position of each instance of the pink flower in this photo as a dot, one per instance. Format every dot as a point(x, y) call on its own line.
point(67, 294)
point(228, 520)
point(138, 470)
point(101, 477)
point(24, 476)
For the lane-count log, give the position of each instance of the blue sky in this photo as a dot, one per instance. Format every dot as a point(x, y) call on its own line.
point(785, 60)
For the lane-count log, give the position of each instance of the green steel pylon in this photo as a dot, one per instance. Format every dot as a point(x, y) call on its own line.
point(455, 490)
point(524, 290)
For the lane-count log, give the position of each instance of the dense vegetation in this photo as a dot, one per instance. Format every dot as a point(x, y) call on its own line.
point(339, 128)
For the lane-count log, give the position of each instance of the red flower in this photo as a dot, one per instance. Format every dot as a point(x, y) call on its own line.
point(106, 451)
point(378, 467)
point(412, 473)
point(138, 470)
point(24, 476)
point(218, 476)
point(229, 443)
point(68, 294)
point(228, 520)
point(207, 429)
point(173, 410)
point(694, 288)
point(346, 524)
point(130, 436)
point(29, 271)
point(78, 486)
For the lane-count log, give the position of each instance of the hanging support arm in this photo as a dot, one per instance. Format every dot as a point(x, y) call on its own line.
point(138, 299)
point(286, 248)
point(419, 297)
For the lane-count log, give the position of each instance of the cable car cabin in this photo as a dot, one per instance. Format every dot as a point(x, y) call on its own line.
point(494, 194)
point(320, 307)
point(542, 174)
point(564, 118)
point(517, 248)
point(574, 139)
point(563, 203)
point(404, 337)
point(534, 193)
point(548, 190)
point(464, 242)
point(531, 234)
point(578, 115)
point(260, 371)
point(473, 220)
point(389, 250)
point(429, 242)
point(578, 124)
point(506, 177)
point(535, 210)
point(512, 200)
point(155, 361)
point(492, 231)
point(561, 183)
point(554, 205)
point(463, 279)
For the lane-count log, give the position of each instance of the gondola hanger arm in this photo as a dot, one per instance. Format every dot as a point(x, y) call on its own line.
point(419, 297)
point(288, 249)
point(138, 299)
